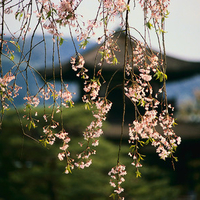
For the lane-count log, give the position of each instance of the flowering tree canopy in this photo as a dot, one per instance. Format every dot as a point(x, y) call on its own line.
point(140, 66)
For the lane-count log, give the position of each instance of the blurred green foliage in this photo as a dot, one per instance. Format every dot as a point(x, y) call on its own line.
point(29, 171)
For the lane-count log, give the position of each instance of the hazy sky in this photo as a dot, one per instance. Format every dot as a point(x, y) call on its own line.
point(182, 37)
point(182, 26)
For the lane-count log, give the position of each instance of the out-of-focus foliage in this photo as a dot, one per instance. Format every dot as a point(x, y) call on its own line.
point(189, 111)
point(30, 171)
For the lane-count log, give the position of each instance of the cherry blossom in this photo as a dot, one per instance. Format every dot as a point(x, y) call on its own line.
point(117, 174)
point(141, 66)
point(8, 91)
point(156, 8)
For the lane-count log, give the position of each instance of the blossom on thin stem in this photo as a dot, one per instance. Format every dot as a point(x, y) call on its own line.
point(93, 133)
point(7, 90)
point(157, 8)
point(78, 63)
point(117, 174)
point(141, 66)
point(143, 130)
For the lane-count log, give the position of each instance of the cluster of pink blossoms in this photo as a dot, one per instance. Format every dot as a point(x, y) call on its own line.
point(94, 130)
point(8, 92)
point(93, 133)
point(92, 88)
point(108, 49)
point(65, 14)
point(32, 100)
point(65, 95)
point(102, 107)
point(144, 126)
point(5, 81)
point(65, 99)
point(65, 152)
point(117, 174)
point(137, 88)
point(45, 93)
point(115, 6)
point(158, 8)
point(78, 64)
point(61, 15)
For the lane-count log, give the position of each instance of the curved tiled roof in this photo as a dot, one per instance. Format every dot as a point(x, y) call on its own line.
point(176, 68)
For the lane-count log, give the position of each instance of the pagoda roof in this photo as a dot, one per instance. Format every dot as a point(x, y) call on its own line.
point(176, 69)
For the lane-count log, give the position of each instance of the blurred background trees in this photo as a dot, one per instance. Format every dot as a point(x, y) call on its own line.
point(28, 170)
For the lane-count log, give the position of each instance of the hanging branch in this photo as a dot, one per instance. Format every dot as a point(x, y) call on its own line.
point(140, 65)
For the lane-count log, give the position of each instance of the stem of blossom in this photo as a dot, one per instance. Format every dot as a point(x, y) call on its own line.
point(2, 33)
point(158, 39)
point(145, 21)
point(1, 51)
point(107, 92)
point(22, 127)
point(45, 66)
point(164, 65)
point(124, 77)
point(61, 80)
point(29, 57)
point(70, 31)
point(54, 78)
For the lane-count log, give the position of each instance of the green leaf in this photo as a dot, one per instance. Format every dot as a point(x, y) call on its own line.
point(149, 140)
point(176, 159)
point(167, 14)
point(138, 174)
point(96, 80)
point(61, 41)
point(149, 25)
point(160, 30)
point(132, 146)
point(160, 75)
point(141, 142)
point(141, 157)
point(44, 142)
point(69, 16)
point(29, 126)
point(115, 61)
point(83, 44)
point(33, 124)
point(49, 14)
point(103, 54)
point(18, 47)
point(16, 15)
point(69, 169)
point(143, 102)
point(54, 10)
point(174, 123)
point(20, 16)
point(113, 195)
point(28, 106)
point(71, 104)
point(105, 20)
point(83, 77)
point(12, 56)
point(87, 106)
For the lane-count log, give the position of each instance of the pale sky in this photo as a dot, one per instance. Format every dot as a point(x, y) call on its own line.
point(182, 26)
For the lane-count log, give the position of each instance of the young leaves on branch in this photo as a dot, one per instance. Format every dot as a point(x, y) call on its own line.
point(160, 75)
